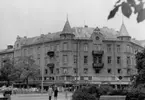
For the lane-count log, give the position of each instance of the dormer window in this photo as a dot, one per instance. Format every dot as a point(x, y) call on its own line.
point(97, 38)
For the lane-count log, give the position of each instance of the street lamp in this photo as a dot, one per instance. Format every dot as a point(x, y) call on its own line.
point(42, 64)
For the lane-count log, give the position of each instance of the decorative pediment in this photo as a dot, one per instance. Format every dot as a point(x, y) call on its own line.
point(97, 36)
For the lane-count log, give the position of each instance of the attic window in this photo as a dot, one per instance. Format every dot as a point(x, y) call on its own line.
point(97, 38)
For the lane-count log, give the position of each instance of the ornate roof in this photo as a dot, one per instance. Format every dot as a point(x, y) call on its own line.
point(67, 29)
point(79, 32)
point(123, 31)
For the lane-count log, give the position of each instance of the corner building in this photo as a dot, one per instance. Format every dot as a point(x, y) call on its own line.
point(88, 55)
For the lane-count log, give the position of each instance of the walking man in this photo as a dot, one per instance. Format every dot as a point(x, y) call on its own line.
point(50, 91)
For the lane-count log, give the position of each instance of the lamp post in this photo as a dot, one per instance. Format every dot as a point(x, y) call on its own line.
point(42, 64)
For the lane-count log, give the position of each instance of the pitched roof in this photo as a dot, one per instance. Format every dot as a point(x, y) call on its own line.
point(123, 31)
point(67, 28)
point(79, 32)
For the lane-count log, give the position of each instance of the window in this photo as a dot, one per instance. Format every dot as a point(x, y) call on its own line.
point(17, 45)
point(75, 46)
point(38, 61)
point(75, 59)
point(46, 71)
point(57, 70)
point(85, 47)
point(97, 47)
point(51, 48)
point(118, 60)
point(30, 51)
point(109, 70)
point(46, 61)
point(108, 47)
point(97, 38)
point(109, 59)
point(25, 52)
point(127, 48)
point(119, 71)
point(38, 50)
point(85, 70)
point(118, 48)
point(65, 58)
point(65, 71)
point(75, 70)
point(57, 58)
point(65, 46)
point(38, 56)
point(85, 59)
point(128, 61)
point(51, 71)
point(100, 59)
point(57, 47)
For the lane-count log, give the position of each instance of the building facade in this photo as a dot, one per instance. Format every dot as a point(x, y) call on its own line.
point(7, 53)
point(82, 54)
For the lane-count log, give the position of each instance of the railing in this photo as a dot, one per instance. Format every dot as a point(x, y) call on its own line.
point(50, 53)
point(98, 65)
point(97, 52)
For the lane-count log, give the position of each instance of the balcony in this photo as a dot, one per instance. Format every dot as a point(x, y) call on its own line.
point(97, 52)
point(50, 65)
point(50, 53)
point(98, 65)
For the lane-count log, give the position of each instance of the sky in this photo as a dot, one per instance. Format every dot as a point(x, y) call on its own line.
point(34, 17)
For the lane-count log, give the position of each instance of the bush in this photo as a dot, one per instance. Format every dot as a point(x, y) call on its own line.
point(136, 93)
point(105, 89)
point(118, 92)
point(83, 94)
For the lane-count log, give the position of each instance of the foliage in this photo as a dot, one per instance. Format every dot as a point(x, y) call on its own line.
point(127, 7)
point(85, 93)
point(27, 68)
point(105, 89)
point(140, 65)
point(8, 71)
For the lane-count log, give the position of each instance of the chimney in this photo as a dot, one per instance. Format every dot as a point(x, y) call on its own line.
point(9, 47)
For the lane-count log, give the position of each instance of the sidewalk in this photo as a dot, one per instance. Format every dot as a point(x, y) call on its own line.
point(61, 96)
point(39, 94)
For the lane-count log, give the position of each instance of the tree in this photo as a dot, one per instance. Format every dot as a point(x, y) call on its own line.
point(27, 68)
point(127, 7)
point(8, 72)
point(140, 65)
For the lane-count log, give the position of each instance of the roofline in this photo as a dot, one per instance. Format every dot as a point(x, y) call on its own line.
point(5, 52)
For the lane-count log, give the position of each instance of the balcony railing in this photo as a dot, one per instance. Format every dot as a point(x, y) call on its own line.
point(50, 53)
point(98, 65)
point(97, 52)
point(50, 65)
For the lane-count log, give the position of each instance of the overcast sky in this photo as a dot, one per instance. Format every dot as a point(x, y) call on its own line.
point(33, 17)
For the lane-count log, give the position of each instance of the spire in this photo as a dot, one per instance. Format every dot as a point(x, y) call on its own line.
point(67, 28)
point(123, 30)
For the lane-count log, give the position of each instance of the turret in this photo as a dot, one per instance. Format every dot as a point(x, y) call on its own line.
point(67, 31)
point(123, 34)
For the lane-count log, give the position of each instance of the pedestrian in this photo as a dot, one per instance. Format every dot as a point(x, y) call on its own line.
point(66, 94)
point(55, 93)
point(7, 94)
point(50, 91)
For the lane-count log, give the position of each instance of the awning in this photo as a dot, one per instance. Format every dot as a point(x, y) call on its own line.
point(118, 83)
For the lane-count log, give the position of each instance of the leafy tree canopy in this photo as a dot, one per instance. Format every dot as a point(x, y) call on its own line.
point(27, 68)
point(8, 72)
point(128, 7)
